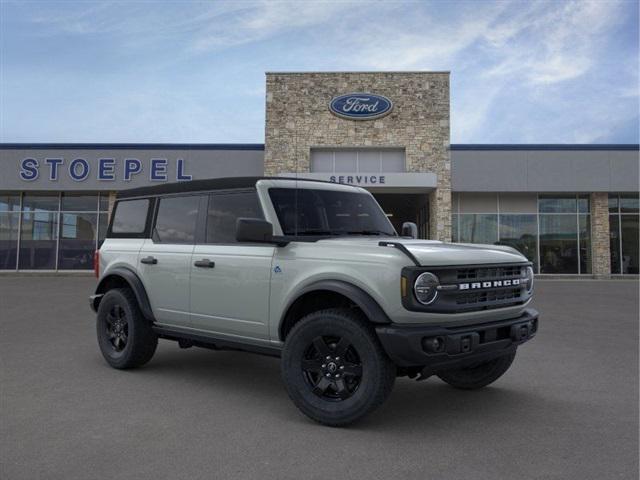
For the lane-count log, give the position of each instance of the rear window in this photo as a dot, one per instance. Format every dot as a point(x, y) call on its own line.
point(176, 219)
point(130, 217)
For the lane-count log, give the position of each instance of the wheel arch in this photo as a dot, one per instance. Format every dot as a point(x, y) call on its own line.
point(122, 277)
point(333, 293)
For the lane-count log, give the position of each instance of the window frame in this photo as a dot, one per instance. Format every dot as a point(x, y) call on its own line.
point(358, 150)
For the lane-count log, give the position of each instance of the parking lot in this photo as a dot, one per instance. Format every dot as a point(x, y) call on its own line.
point(568, 408)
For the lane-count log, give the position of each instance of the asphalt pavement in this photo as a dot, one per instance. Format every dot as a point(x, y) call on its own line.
point(567, 409)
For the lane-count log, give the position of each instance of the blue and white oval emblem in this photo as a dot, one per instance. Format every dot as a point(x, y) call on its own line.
point(360, 106)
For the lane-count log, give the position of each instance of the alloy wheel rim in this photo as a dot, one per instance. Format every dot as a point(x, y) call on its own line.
point(117, 328)
point(332, 368)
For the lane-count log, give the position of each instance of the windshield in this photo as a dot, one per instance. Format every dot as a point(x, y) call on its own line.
point(328, 212)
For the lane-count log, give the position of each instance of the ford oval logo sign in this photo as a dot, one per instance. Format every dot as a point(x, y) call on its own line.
point(360, 106)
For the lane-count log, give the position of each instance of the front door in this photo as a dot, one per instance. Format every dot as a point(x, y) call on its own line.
point(230, 280)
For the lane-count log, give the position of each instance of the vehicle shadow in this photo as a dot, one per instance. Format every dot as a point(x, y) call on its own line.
point(411, 405)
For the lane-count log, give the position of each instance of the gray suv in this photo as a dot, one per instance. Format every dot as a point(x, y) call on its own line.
point(311, 272)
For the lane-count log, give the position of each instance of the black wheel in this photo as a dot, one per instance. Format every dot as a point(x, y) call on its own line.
point(334, 368)
point(478, 376)
point(125, 337)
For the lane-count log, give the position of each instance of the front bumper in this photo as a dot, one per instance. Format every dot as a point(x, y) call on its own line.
point(440, 348)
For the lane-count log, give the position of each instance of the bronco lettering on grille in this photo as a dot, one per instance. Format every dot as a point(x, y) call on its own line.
point(491, 284)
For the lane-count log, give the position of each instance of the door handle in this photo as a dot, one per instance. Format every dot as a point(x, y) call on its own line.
point(149, 260)
point(204, 263)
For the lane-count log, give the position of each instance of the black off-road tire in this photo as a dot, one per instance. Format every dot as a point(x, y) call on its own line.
point(118, 313)
point(478, 376)
point(353, 349)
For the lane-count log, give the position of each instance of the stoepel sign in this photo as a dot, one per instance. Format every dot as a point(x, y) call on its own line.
point(360, 106)
point(107, 169)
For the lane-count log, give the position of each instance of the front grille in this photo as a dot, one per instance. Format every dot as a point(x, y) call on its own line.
point(489, 297)
point(484, 273)
point(472, 288)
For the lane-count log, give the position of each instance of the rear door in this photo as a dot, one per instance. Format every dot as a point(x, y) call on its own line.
point(230, 280)
point(165, 259)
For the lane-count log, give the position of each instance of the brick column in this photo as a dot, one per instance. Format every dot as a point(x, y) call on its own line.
point(440, 215)
point(600, 250)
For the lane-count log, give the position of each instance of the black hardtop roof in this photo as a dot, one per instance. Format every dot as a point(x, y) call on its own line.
point(225, 183)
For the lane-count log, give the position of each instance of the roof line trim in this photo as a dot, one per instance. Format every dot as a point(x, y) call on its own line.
point(544, 146)
point(260, 146)
point(132, 146)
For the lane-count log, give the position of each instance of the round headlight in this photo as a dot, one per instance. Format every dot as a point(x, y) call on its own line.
point(529, 279)
point(425, 288)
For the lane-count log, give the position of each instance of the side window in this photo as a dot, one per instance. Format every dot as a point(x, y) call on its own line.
point(130, 217)
point(225, 209)
point(176, 219)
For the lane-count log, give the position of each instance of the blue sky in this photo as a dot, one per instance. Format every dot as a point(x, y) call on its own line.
point(174, 71)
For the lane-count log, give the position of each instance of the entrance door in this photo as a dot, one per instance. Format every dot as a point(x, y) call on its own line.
point(406, 207)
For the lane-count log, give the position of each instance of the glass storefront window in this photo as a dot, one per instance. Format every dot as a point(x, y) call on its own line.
point(48, 202)
point(623, 233)
point(557, 204)
point(584, 236)
point(629, 243)
point(9, 202)
point(78, 231)
point(9, 222)
point(77, 241)
point(454, 228)
point(73, 202)
point(478, 228)
point(583, 204)
point(521, 233)
point(629, 204)
point(558, 244)
point(38, 240)
point(51, 230)
point(104, 202)
point(614, 242)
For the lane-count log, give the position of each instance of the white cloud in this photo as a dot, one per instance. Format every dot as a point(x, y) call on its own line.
point(521, 71)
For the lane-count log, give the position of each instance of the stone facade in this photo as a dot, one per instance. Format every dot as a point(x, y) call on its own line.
point(600, 247)
point(298, 119)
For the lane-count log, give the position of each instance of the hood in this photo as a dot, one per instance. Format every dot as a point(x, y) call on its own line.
point(436, 253)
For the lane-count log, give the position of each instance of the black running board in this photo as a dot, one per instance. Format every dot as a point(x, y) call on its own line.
point(187, 339)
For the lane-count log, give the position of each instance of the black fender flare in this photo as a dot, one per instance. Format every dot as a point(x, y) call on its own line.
point(134, 282)
point(372, 310)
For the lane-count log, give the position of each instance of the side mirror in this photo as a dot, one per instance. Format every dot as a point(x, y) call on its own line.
point(254, 230)
point(409, 229)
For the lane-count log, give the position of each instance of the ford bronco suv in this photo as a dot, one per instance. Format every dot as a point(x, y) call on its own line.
point(312, 272)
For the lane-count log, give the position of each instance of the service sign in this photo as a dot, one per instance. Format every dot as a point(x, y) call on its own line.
point(360, 106)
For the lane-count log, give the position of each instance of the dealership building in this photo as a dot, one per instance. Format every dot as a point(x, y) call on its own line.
point(571, 209)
